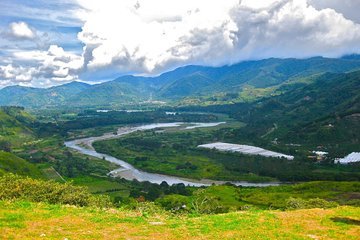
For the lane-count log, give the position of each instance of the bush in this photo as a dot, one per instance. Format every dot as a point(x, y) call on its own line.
point(295, 203)
point(13, 187)
point(203, 203)
point(149, 209)
point(174, 203)
point(320, 203)
point(298, 203)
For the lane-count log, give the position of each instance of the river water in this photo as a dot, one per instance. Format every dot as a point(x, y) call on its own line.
point(129, 172)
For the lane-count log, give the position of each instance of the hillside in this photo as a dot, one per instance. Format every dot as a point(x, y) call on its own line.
point(32, 209)
point(262, 76)
point(9, 163)
point(257, 74)
point(322, 113)
point(14, 122)
point(325, 112)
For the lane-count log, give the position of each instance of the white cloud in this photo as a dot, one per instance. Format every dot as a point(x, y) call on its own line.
point(149, 37)
point(17, 74)
point(152, 36)
point(21, 30)
point(54, 65)
point(349, 8)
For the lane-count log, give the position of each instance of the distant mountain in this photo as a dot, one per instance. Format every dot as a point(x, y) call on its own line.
point(257, 74)
point(325, 112)
point(184, 82)
point(36, 97)
point(109, 93)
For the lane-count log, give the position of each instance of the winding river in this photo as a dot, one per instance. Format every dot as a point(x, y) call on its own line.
point(129, 172)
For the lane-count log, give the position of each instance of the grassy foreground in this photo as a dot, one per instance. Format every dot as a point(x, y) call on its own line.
point(25, 220)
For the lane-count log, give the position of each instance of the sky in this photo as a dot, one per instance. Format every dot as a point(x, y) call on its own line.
point(51, 42)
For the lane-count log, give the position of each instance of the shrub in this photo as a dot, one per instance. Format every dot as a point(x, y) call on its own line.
point(203, 203)
point(149, 209)
point(14, 187)
point(298, 203)
point(295, 203)
point(320, 203)
point(174, 203)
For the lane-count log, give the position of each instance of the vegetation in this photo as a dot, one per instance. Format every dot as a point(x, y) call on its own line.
point(14, 127)
point(284, 105)
point(13, 187)
point(323, 115)
point(93, 119)
point(178, 198)
point(13, 164)
point(54, 221)
point(176, 153)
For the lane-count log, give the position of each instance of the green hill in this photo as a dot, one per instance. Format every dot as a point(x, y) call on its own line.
point(194, 82)
point(324, 112)
point(9, 163)
point(40, 97)
point(257, 74)
point(14, 125)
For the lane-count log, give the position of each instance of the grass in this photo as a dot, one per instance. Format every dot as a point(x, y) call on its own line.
point(276, 197)
point(101, 185)
point(24, 220)
point(175, 152)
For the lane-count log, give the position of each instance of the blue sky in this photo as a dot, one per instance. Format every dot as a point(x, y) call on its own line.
point(45, 43)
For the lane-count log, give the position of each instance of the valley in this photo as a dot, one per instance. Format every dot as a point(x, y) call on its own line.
point(191, 120)
point(128, 172)
point(186, 155)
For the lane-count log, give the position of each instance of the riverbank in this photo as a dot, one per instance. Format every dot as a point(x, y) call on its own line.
point(129, 172)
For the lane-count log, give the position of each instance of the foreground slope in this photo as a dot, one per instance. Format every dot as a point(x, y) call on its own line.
point(34, 209)
point(24, 220)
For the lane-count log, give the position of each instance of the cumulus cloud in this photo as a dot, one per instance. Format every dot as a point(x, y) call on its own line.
point(152, 36)
point(21, 30)
point(18, 74)
point(349, 8)
point(36, 66)
point(149, 37)
point(54, 65)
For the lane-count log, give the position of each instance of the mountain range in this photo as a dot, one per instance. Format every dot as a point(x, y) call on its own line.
point(325, 112)
point(268, 75)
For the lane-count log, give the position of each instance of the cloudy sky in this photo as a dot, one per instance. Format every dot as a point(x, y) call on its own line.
point(51, 42)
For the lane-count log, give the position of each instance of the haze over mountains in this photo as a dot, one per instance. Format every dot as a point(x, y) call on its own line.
point(188, 81)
